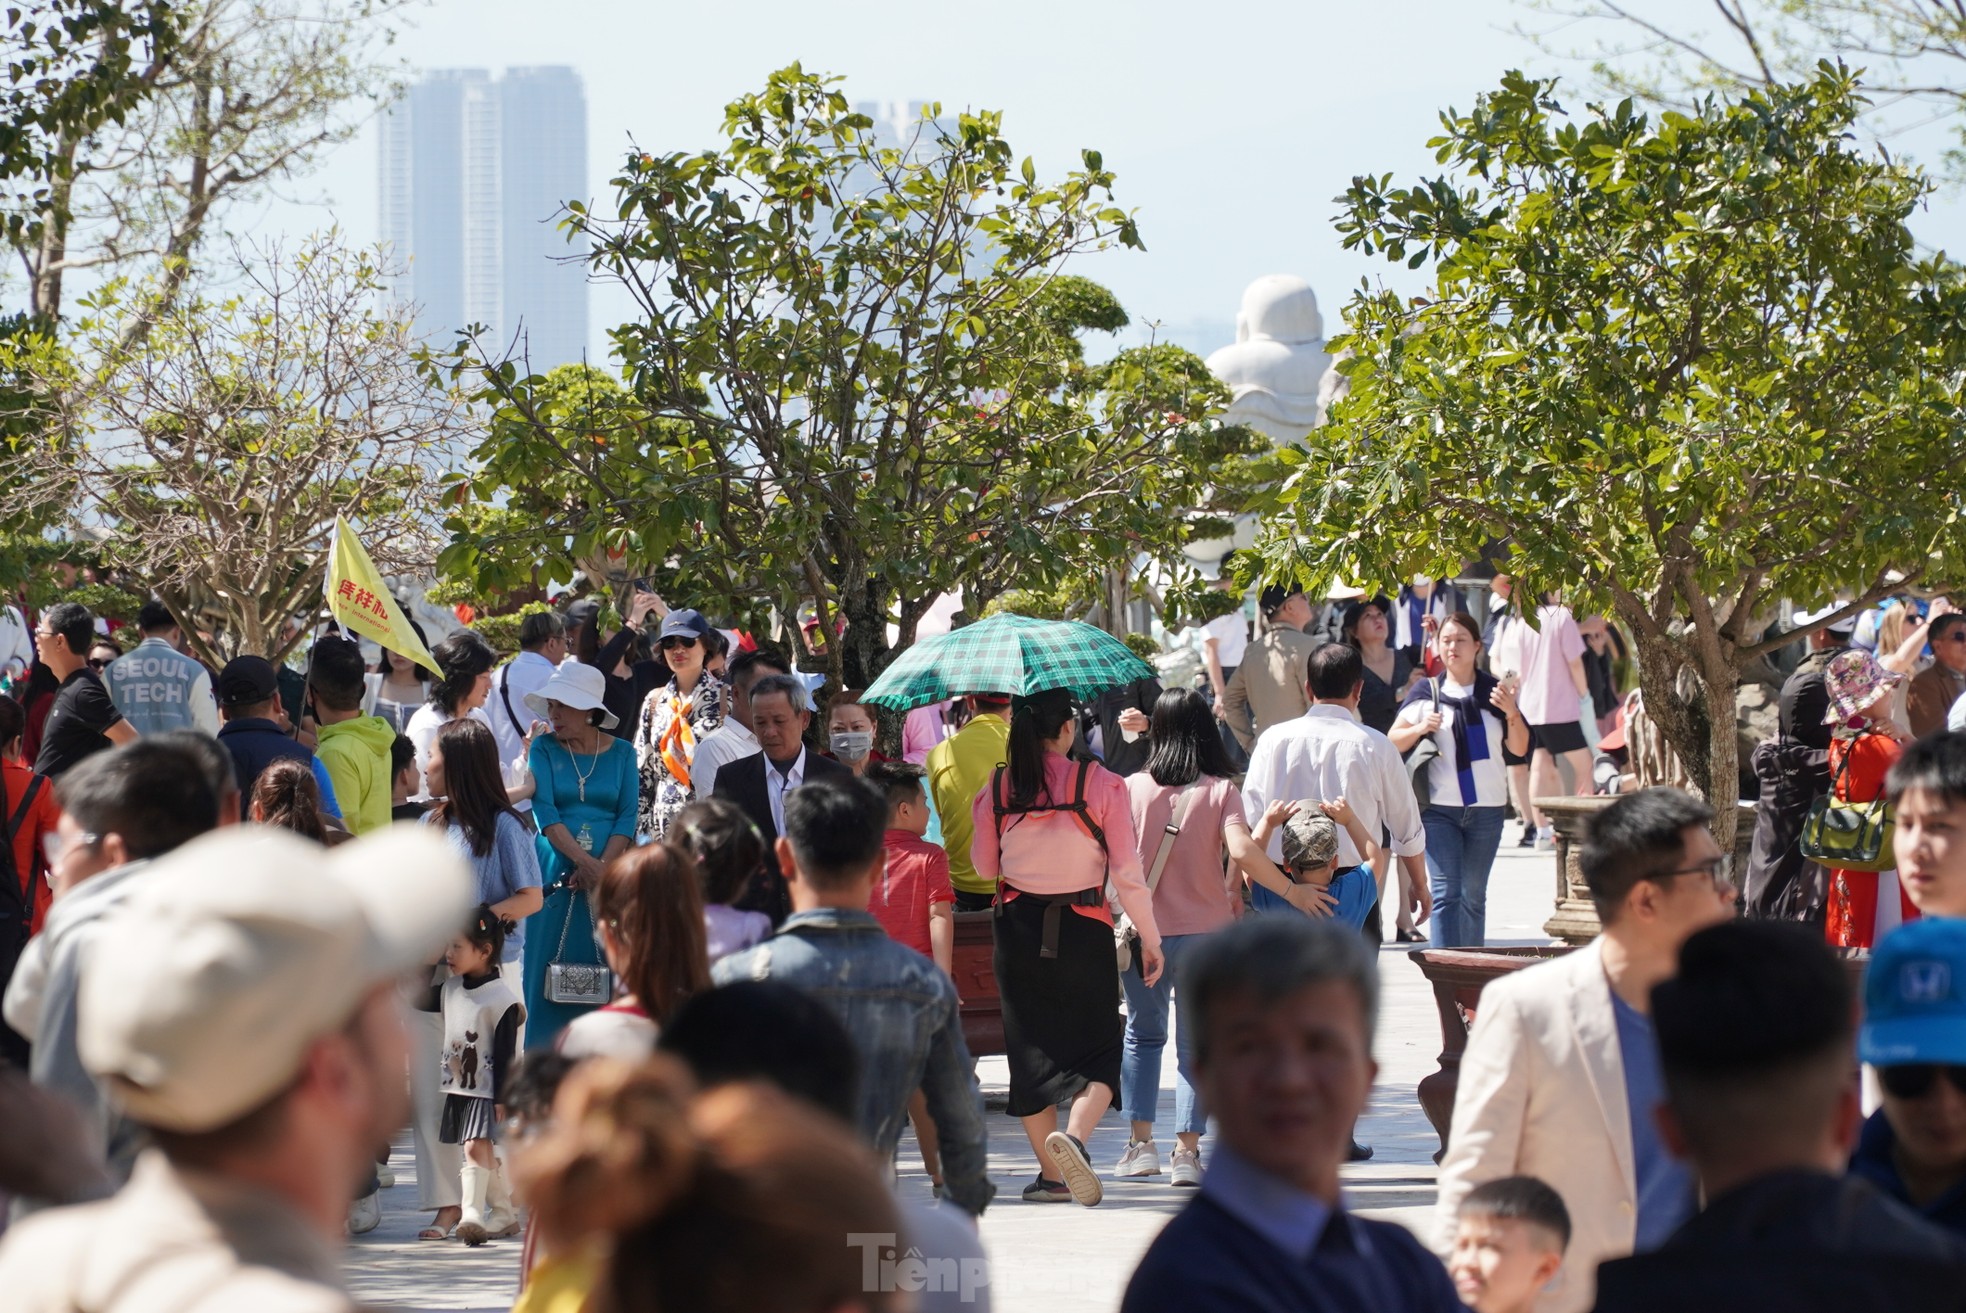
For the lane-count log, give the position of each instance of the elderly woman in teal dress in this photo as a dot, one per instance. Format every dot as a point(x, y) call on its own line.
point(585, 790)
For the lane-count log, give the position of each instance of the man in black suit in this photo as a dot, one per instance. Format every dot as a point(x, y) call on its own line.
point(1114, 712)
point(759, 783)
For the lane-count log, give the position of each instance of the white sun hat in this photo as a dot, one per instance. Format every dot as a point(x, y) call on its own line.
point(577, 686)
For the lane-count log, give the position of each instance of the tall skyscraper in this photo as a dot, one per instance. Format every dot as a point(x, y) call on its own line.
point(474, 173)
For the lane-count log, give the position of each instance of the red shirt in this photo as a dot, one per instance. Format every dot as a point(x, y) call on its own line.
point(39, 822)
point(917, 878)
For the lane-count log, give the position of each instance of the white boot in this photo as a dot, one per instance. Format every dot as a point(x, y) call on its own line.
point(476, 1181)
point(501, 1217)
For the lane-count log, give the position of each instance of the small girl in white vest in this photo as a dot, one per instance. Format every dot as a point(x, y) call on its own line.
point(482, 1015)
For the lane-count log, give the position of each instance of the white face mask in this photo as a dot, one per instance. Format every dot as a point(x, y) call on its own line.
point(852, 744)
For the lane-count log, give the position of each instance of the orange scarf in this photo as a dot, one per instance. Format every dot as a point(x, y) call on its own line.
point(678, 745)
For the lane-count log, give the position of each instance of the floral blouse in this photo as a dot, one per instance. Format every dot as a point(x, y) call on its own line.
point(667, 730)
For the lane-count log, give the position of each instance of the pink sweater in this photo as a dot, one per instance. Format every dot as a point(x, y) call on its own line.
point(1051, 853)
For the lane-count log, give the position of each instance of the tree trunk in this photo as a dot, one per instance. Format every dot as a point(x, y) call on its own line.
point(1724, 760)
point(1697, 716)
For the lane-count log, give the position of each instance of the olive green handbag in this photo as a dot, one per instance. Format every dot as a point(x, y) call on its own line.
point(1851, 836)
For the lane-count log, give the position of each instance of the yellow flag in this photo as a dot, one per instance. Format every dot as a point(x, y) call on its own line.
point(360, 601)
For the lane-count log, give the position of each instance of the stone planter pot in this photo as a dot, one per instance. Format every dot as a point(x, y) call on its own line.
point(976, 982)
point(1575, 919)
point(1458, 976)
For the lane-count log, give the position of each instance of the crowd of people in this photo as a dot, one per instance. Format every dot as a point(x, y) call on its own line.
point(654, 953)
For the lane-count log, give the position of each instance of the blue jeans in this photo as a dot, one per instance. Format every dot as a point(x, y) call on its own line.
point(1461, 845)
point(1146, 1036)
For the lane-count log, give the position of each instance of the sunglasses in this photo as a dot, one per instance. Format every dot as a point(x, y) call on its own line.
point(675, 641)
point(1716, 876)
point(1918, 1079)
point(98, 665)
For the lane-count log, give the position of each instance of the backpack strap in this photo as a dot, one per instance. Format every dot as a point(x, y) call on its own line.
point(505, 696)
point(1084, 813)
point(27, 800)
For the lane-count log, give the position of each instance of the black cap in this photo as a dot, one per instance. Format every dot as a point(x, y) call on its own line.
point(583, 611)
point(246, 680)
point(1276, 595)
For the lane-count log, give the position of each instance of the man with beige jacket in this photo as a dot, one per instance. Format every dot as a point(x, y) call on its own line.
point(1561, 1074)
point(1268, 686)
point(241, 1007)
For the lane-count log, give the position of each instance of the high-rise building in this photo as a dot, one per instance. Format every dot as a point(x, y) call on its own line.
point(475, 174)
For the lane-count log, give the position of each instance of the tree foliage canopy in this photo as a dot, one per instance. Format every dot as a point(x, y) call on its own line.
point(220, 450)
point(1683, 366)
point(855, 382)
point(1909, 51)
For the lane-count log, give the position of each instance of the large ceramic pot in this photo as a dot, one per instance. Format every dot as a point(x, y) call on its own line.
point(1458, 976)
point(976, 983)
point(1575, 919)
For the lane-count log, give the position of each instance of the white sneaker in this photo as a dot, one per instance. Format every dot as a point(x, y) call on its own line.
point(1545, 839)
point(385, 1176)
point(1187, 1167)
point(1140, 1159)
point(365, 1214)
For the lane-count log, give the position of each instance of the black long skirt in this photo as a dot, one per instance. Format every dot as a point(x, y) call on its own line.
point(1061, 1018)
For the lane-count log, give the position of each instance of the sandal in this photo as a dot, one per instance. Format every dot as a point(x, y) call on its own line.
point(437, 1230)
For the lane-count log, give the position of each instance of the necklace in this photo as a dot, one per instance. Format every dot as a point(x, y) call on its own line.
point(574, 758)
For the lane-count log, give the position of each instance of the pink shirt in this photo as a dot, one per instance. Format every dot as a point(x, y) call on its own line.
point(1051, 853)
point(922, 730)
point(1549, 691)
point(1193, 895)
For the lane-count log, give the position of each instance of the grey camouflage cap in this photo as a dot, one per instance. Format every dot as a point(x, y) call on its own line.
point(1310, 838)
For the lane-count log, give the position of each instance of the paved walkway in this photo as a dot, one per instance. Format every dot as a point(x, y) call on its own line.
point(1058, 1258)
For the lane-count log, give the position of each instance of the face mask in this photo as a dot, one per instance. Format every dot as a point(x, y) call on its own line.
point(852, 744)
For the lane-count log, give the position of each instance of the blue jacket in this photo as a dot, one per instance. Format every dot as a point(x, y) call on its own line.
point(1873, 1162)
point(901, 1011)
point(256, 744)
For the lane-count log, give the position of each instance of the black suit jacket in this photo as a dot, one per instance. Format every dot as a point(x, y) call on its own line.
point(743, 782)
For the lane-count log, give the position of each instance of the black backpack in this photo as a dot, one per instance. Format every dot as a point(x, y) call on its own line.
point(1077, 806)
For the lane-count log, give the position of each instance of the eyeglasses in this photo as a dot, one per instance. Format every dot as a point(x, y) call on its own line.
point(1713, 870)
point(54, 847)
point(1918, 1079)
point(677, 640)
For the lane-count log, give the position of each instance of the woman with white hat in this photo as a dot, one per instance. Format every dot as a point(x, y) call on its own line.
point(584, 800)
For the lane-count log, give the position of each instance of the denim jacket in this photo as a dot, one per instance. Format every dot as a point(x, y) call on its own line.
point(901, 1011)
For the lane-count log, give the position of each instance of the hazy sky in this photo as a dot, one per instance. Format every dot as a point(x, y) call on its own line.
point(1231, 126)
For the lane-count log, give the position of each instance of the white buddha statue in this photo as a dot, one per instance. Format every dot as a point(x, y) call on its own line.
point(1278, 360)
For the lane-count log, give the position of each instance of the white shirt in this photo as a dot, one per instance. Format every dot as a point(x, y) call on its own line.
point(777, 786)
point(1956, 718)
point(523, 674)
point(1491, 776)
point(1230, 634)
point(728, 742)
point(1326, 754)
point(16, 641)
point(422, 731)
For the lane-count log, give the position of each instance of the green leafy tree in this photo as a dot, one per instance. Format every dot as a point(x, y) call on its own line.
point(127, 129)
point(1682, 368)
point(1909, 51)
point(856, 382)
point(211, 462)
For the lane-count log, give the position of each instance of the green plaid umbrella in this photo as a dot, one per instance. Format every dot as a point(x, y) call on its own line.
point(1008, 654)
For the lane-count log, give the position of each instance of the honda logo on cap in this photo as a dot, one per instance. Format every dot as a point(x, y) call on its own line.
point(1924, 982)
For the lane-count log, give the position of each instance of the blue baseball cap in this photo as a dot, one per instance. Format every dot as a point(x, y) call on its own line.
point(1915, 996)
point(683, 624)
